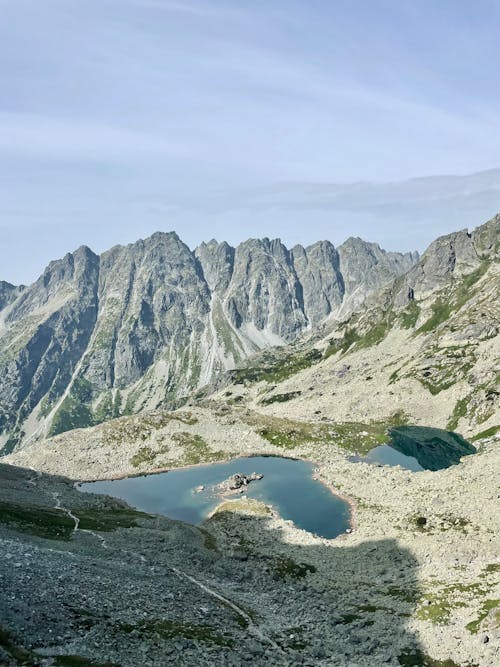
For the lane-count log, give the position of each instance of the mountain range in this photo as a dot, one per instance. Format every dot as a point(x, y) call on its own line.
point(142, 325)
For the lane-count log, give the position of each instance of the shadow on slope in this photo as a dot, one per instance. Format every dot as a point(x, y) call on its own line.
point(158, 592)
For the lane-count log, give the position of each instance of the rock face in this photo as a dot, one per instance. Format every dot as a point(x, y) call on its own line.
point(456, 254)
point(141, 325)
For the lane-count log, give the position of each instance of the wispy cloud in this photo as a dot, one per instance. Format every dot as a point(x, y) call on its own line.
point(204, 9)
point(58, 138)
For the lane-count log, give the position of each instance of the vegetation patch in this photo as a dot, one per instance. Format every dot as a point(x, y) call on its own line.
point(415, 658)
point(71, 414)
point(354, 437)
point(106, 520)
point(145, 455)
point(275, 370)
point(441, 311)
point(168, 629)
point(444, 368)
point(196, 449)
point(488, 433)
point(142, 427)
point(438, 606)
point(209, 541)
point(245, 505)
point(459, 411)
point(287, 568)
point(461, 292)
point(47, 522)
point(280, 398)
point(342, 344)
point(409, 316)
point(486, 607)
point(441, 523)
point(15, 650)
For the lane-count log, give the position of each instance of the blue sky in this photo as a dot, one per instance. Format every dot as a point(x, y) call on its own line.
point(121, 117)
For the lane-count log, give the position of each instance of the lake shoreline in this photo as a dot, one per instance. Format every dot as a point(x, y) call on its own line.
point(315, 476)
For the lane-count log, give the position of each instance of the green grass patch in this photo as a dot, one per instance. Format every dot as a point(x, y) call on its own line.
point(54, 524)
point(409, 316)
point(196, 450)
point(349, 338)
point(486, 607)
point(142, 427)
point(439, 605)
point(145, 455)
point(459, 411)
point(493, 430)
point(492, 568)
point(461, 293)
point(441, 311)
point(209, 541)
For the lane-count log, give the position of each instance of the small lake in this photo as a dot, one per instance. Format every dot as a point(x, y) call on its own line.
point(419, 448)
point(287, 485)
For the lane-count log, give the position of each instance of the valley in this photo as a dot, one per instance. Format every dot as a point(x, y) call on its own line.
point(414, 582)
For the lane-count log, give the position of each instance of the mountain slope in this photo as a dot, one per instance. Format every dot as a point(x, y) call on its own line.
point(434, 357)
point(145, 324)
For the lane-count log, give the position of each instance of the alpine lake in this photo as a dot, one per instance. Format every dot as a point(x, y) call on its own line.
point(192, 494)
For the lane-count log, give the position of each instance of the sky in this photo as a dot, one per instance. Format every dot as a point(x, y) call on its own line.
point(122, 117)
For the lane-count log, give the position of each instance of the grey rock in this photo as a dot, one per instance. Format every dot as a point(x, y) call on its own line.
point(239, 480)
point(455, 254)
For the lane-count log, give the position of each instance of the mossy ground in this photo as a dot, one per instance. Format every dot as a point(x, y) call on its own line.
point(438, 606)
point(354, 437)
point(195, 450)
point(276, 369)
point(245, 505)
point(486, 607)
point(172, 629)
point(44, 522)
point(280, 398)
point(54, 524)
point(417, 658)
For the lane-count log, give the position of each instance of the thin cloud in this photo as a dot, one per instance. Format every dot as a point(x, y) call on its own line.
point(193, 9)
point(35, 135)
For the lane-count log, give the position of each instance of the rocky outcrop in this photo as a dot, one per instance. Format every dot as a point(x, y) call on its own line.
point(239, 481)
point(456, 254)
point(8, 293)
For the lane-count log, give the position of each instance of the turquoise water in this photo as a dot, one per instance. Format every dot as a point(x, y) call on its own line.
point(287, 485)
point(419, 448)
